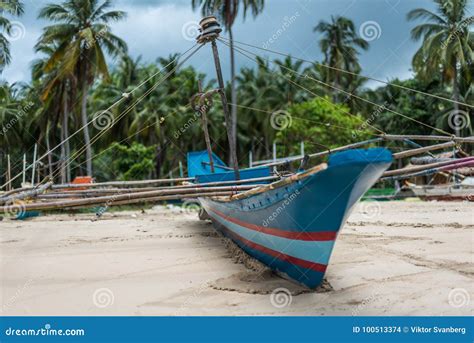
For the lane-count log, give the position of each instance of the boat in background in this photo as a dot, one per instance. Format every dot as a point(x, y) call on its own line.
point(199, 167)
point(291, 225)
point(463, 191)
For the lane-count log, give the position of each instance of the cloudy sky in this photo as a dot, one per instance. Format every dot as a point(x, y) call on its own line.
point(156, 28)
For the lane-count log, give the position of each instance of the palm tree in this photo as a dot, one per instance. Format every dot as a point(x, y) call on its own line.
point(10, 134)
point(447, 46)
point(14, 8)
point(340, 44)
point(81, 32)
point(227, 11)
point(56, 94)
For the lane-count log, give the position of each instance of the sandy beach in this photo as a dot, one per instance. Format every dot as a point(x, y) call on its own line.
point(391, 258)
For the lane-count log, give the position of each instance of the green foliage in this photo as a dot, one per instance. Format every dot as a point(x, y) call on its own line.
point(164, 127)
point(340, 45)
point(122, 162)
point(12, 8)
point(320, 123)
point(447, 46)
point(417, 106)
point(228, 11)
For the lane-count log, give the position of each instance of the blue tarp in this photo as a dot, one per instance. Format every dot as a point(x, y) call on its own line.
point(202, 171)
point(196, 167)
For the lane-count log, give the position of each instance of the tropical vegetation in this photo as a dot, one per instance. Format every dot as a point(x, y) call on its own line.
point(83, 69)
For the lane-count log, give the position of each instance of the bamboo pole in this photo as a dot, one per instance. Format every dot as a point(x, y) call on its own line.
point(179, 193)
point(60, 189)
point(429, 138)
point(322, 153)
point(164, 198)
point(9, 174)
point(467, 164)
point(105, 192)
point(24, 170)
point(425, 166)
point(225, 108)
point(189, 185)
point(27, 194)
point(14, 191)
point(418, 151)
point(123, 183)
point(35, 151)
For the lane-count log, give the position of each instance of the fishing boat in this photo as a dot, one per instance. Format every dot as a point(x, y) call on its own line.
point(291, 225)
point(463, 191)
point(287, 220)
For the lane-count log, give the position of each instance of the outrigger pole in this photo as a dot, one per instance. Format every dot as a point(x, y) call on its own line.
point(210, 30)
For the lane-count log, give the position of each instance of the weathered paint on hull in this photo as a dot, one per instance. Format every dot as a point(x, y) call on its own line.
point(293, 229)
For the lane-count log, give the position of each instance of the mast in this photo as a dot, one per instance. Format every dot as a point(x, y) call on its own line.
point(210, 30)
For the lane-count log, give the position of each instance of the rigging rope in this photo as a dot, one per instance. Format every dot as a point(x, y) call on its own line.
point(307, 90)
point(355, 74)
point(352, 95)
point(126, 111)
point(292, 116)
point(159, 121)
point(124, 96)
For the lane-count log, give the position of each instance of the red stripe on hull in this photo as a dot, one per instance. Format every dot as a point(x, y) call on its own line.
point(281, 256)
point(301, 236)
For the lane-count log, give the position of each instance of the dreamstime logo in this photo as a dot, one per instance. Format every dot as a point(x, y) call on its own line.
point(459, 297)
point(280, 120)
point(448, 5)
point(190, 206)
point(457, 34)
point(17, 31)
point(281, 297)
point(180, 131)
point(370, 209)
point(281, 208)
point(287, 22)
point(16, 118)
point(190, 30)
point(103, 297)
point(96, 37)
point(103, 120)
point(458, 120)
point(15, 208)
point(370, 30)
point(370, 120)
point(375, 296)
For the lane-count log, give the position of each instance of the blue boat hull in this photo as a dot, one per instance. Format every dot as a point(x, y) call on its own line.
point(292, 229)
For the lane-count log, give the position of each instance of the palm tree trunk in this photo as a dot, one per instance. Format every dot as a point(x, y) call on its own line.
point(50, 156)
point(87, 139)
point(456, 119)
point(335, 94)
point(63, 155)
point(233, 91)
point(65, 136)
point(160, 152)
